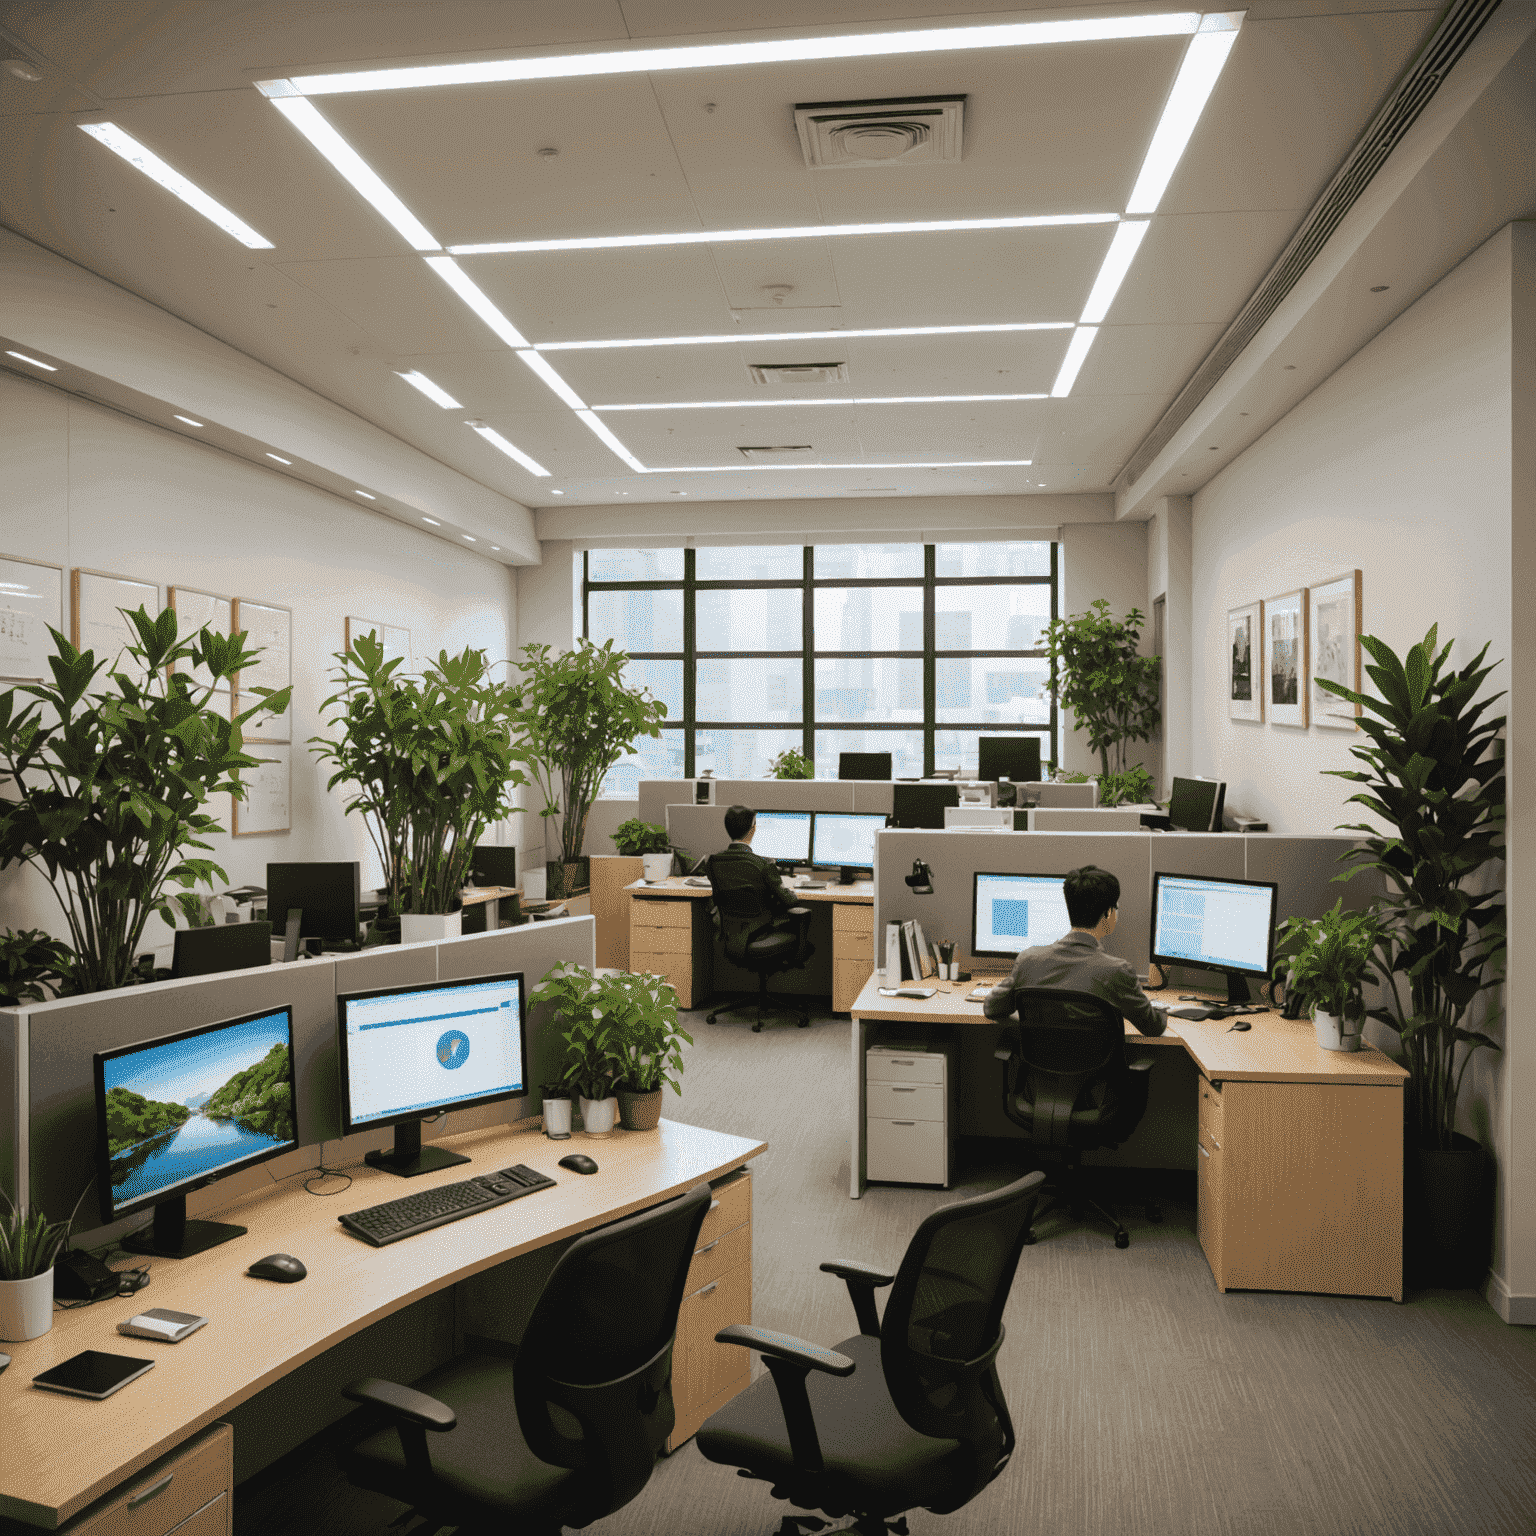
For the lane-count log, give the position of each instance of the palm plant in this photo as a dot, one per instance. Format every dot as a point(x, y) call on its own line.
point(1434, 772)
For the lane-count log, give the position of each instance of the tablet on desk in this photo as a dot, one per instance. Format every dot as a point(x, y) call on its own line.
point(92, 1374)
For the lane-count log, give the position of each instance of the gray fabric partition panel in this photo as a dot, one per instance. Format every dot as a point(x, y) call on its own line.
point(1305, 867)
point(1055, 818)
point(873, 795)
point(11, 1111)
point(1070, 794)
point(655, 795)
point(786, 794)
point(604, 817)
point(700, 829)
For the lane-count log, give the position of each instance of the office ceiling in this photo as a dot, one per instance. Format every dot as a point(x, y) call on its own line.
point(343, 304)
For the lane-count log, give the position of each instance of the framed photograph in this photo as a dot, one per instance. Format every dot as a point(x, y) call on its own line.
point(99, 621)
point(1245, 645)
point(31, 598)
point(1285, 658)
point(1334, 644)
point(196, 610)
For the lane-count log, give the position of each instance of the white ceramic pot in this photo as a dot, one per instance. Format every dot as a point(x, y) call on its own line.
point(557, 1117)
point(598, 1115)
point(26, 1307)
point(423, 927)
point(1335, 1033)
point(657, 865)
point(534, 881)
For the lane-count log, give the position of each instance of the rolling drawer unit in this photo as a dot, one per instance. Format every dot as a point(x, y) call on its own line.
point(707, 1375)
point(910, 1115)
point(673, 939)
point(853, 954)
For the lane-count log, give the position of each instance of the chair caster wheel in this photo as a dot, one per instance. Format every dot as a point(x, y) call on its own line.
point(1122, 1239)
point(1029, 1238)
point(757, 1028)
point(804, 1024)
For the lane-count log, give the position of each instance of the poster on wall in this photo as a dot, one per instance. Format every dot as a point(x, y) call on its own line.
point(265, 726)
point(1245, 683)
point(201, 610)
point(1335, 650)
point(266, 806)
point(31, 598)
point(99, 623)
point(269, 630)
point(395, 640)
point(1285, 658)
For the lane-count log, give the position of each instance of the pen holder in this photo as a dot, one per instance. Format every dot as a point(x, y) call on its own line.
point(947, 960)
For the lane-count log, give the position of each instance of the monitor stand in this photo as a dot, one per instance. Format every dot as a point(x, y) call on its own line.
point(850, 874)
point(174, 1237)
point(1237, 988)
point(408, 1157)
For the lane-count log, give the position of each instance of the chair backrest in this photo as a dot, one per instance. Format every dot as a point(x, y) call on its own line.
point(1069, 1033)
point(593, 1379)
point(740, 911)
point(943, 1324)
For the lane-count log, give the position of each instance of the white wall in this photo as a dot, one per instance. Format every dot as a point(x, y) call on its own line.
point(1168, 578)
point(81, 485)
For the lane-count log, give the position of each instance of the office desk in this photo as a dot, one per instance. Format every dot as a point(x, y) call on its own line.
point(670, 935)
point(58, 1454)
point(1300, 1150)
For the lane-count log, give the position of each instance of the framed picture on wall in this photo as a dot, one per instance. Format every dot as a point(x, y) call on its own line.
point(31, 599)
point(1334, 646)
point(1245, 645)
point(1285, 658)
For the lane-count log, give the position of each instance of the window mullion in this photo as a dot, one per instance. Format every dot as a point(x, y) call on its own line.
point(808, 653)
point(690, 666)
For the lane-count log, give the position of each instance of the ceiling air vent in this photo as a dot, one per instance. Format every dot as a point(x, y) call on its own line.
point(894, 131)
point(799, 373)
point(784, 454)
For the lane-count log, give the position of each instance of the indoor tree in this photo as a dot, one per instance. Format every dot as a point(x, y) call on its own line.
point(107, 787)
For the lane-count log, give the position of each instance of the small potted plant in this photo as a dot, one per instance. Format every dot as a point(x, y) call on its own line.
point(647, 841)
point(29, 1243)
point(556, 1107)
point(594, 1046)
point(790, 764)
point(1325, 965)
point(644, 1008)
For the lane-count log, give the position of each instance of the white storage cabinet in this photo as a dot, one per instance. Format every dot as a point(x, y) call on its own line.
point(910, 1115)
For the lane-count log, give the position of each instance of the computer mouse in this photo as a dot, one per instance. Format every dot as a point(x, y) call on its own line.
point(578, 1162)
point(5, 1360)
point(278, 1266)
point(1241, 1025)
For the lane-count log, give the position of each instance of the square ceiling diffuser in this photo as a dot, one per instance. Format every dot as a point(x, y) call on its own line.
point(893, 131)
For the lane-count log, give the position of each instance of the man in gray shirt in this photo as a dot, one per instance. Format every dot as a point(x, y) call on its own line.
point(1077, 963)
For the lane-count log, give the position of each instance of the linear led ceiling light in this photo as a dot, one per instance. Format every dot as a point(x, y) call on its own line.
point(364, 179)
point(723, 55)
point(512, 451)
point(280, 459)
point(367, 496)
point(468, 290)
point(36, 362)
point(738, 469)
point(784, 232)
point(613, 442)
point(434, 522)
point(731, 405)
point(142, 159)
point(434, 392)
point(1077, 350)
point(187, 419)
point(1117, 262)
point(1192, 87)
point(759, 338)
point(546, 372)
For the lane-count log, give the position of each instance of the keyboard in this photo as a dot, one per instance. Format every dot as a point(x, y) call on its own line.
point(410, 1214)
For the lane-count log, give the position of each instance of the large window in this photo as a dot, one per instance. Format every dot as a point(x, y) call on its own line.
point(911, 649)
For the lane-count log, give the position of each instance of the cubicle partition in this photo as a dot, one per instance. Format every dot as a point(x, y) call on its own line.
point(872, 795)
point(47, 1118)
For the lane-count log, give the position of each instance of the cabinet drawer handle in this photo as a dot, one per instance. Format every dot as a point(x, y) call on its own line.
point(1203, 1152)
point(904, 1090)
point(706, 1248)
point(707, 1289)
point(903, 1122)
point(144, 1495)
point(896, 1063)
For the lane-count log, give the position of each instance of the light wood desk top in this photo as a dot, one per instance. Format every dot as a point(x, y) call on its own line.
point(58, 1454)
point(859, 893)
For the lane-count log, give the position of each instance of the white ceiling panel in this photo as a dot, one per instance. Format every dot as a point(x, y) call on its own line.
point(804, 266)
point(1143, 359)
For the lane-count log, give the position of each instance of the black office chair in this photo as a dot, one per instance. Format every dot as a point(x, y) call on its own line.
point(744, 922)
point(909, 1412)
point(570, 1430)
point(1069, 1083)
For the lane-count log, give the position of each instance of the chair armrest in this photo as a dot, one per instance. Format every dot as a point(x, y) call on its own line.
point(1141, 1063)
point(784, 1346)
point(402, 1403)
point(863, 1281)
point(797, 912)
point(790, 1361)
point(846, 1269)
point(1003, 1053)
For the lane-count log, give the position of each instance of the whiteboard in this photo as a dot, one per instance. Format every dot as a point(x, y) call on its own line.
point(31, 598)
point(197, 610)
point(264, 727)
point(269, 629)
point(266, 805)
point(395, 640)
point(99, 626)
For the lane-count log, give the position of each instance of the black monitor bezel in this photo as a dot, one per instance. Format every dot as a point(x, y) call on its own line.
point(1218, 796)
point(309, 926)
point(226, 932)
point(879, 816)
point(981, 768)
point(1183, 961)
point(899, 789)
point(867, 778)
point(111, 1210)
point(1000, 874)
point(497, 851)
point(384, 1122)
point(810, 835)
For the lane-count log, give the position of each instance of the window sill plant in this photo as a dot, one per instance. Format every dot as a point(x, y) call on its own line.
point(1325, 965)
point(647, 841)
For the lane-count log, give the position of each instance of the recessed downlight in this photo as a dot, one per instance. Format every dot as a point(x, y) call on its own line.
point(36, 362)
point(280, 459)
point(559, 493)
point(434, 522)
point(188, 420)
point(367, 495)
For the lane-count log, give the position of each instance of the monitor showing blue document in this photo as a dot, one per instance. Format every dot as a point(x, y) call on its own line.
point(1016, 912)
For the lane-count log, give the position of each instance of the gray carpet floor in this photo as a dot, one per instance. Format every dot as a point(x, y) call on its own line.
point(1146, 1403)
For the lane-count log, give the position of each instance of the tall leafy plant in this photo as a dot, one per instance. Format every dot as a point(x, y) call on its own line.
point(579, 718)
point(430, 763)
point(107, 787)
point(1434, 773)
point(1097, 674)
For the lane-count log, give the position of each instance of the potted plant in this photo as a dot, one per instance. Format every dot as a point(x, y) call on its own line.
point(556, 1106)
point(1133, 786)
point(29, 1243)
point(594, 1053)
point(1433, 772)
point(790, 764)
point(110, 785)
point(30, 961)
point(578, 719)
point(644, 1008)
point(1325, 965)
point(1097, 674)
point(430, 763)
point(649, 842)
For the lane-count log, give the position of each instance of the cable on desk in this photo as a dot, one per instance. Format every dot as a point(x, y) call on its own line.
point(322, 1172)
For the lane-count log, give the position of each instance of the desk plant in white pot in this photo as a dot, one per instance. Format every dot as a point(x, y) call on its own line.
point(593, 1040)
point(648, 841)
point(29, 1243)
point(1325, 964)
point(644, 1007)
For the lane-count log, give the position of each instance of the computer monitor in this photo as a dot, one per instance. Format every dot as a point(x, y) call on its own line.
point(409, 1052)
point(1195, 805)
point(491, 865)
point(223, 947)
point(1215, 925)
point(329, 896)
point(922, 805)
point(1008, 757)
point(1014, 912)
point(845, 840)
point(180, 1111)
point(863, 765)
point(784, 837)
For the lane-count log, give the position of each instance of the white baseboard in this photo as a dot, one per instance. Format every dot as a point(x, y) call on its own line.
point(1511, 1307)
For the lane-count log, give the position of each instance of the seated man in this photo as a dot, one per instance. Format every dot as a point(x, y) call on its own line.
point(738, 868)
point(1076, 961)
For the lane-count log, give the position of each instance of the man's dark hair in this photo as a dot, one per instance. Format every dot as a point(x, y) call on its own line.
point(1090, 893)
point(738, 821)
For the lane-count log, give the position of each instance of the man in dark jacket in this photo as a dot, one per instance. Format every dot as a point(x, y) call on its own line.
point(738, 868)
